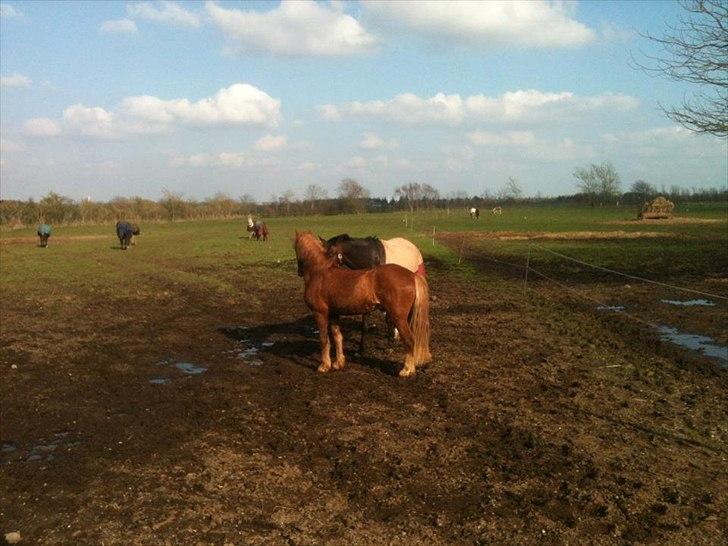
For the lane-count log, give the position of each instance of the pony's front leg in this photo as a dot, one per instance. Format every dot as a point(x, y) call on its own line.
point(322, 321)
point(339, 343)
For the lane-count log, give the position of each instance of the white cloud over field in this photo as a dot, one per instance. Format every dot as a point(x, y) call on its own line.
point(119, 26)
point(164, 11)
point(15, 80)
point(293, 28)
point(239, 104)
point(453, 110)
point(520, 23)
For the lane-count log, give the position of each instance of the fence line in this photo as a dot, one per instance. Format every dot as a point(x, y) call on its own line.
point(635, 277)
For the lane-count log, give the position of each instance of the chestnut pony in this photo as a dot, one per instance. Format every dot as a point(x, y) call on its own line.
point(331, 291)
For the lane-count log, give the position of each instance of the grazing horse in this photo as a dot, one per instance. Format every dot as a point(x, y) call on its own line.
point(134, 232)
point(125, 232)
point(474, 213)
point(258, 230)
point(497, 210)
point(331, 291)
point(371, 251)
point(44, 231)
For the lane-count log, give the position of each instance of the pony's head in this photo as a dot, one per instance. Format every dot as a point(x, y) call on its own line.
point(250, 221)
point(310, 252)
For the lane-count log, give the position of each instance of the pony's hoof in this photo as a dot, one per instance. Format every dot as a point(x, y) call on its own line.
point(323, 369)
point(338, 365)
point(406, 373)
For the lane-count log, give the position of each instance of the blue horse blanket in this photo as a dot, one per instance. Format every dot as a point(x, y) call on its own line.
point(44, 229)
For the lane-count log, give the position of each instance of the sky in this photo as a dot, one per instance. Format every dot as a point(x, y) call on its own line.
point(104, 99)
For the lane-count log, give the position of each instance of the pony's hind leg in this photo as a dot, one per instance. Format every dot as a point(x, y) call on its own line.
point(408, 340)
point(322, 321)
point(339, 344)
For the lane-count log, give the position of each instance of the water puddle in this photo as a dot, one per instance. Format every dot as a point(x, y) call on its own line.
point(702, 344)
point(8, 448)
point(159, 380)
point(610, 307)
point(45, 450)
point(189, 368)
point(689, 303)
point(247, 351)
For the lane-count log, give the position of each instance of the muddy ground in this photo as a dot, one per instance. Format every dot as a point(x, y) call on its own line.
point(539, 421)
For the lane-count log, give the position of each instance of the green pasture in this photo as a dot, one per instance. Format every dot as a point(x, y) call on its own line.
point(208, 255)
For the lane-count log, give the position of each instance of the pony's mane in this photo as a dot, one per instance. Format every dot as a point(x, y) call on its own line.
point(308, 247)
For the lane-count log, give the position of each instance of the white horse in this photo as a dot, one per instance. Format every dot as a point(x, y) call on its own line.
point(474, 213)
point(497, 210)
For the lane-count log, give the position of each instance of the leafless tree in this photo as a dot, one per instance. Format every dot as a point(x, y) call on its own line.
point(313, 193)
point(695, 50)
point(353, 194)
point(598, 180)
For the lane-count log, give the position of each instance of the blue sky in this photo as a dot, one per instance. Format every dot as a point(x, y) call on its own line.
point(126, 98)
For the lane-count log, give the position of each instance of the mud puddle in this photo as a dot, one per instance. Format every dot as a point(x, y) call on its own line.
point(689, 303)
point(247, 351)
point(42, 452)
point(187, 368)
point(701, 344)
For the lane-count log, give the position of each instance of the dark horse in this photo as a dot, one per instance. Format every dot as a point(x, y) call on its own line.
point(134, 232)
point(367, 252)
point(125, 232)
point(44, 231)
point(331, 291)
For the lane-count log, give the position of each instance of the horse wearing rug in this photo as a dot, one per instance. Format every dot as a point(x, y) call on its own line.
point(332, 291)
point(474, 213)
point(125, 232)
point(44, 232)
point(371, 251)
point(258, 230)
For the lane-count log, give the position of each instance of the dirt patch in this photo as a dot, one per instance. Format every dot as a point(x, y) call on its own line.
point(666, 221)
point(537, 421)
point(53, 239)
point(558, 235)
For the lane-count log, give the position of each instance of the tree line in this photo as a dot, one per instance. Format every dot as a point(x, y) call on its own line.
point(597, 184)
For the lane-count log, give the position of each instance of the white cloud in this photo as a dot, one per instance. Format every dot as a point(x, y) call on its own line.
point(522, 23)
point(372, 141)
point(452, 110)
point(673, 139)
point(356, 162)
point(164, 12)
point(329, 112)
point(294, 28)
point(119, 26)
point(15, 80)
point(10, 146)
point(508, 138)
point(239, 104)
point(271, 143)
point(231, 160)
point(41, 127)
point(7, 11)
point(308, 166)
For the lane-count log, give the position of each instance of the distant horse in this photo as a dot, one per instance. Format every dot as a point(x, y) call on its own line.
point(474, 213)
point(125, 232)
point(331, 291)
point(371, 251)
point(258, 230)
point(44, 232)
point(134, 232)
point(497, 210)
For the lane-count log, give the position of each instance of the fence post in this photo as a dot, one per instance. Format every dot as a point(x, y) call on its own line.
point(460, 255)
point(433, 235)
point(528, 263)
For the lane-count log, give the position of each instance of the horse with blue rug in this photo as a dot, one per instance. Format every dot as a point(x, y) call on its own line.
point(125, 233)
point(44, 232)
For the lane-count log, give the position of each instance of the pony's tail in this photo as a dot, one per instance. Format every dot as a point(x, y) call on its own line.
point(420, 321)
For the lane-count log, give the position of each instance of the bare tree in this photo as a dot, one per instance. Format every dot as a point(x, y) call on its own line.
point(598, 180)
point(409, 193)
point(313, 193)
point(286, 198)
point(696, 51)
point(645, 189)
point(353, 194)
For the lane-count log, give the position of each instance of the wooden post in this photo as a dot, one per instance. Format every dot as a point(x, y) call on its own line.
point(460, 256)
point(433, 235)
point(528, 263)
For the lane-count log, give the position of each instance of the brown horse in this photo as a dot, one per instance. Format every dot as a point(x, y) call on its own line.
point(331, 291)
